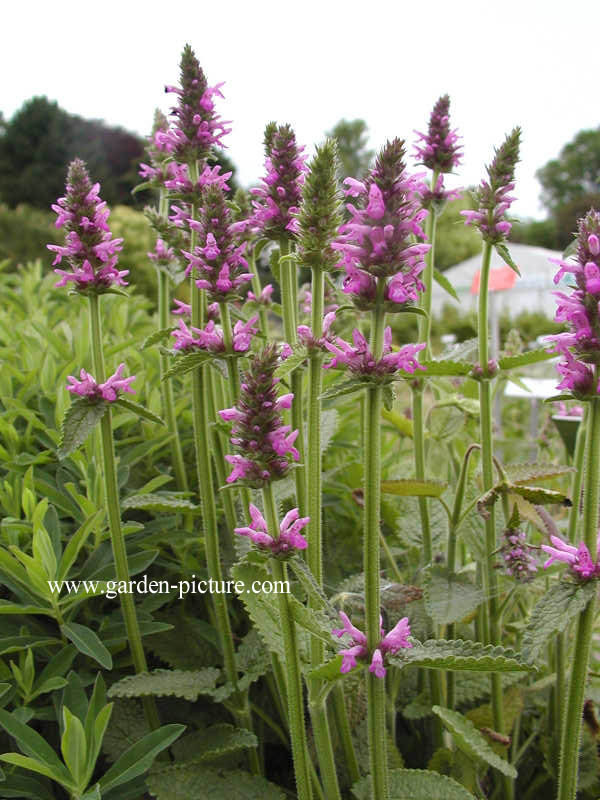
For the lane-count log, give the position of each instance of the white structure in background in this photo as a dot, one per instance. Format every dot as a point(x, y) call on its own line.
point(531, 292)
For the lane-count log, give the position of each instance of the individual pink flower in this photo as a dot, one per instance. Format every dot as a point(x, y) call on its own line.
point(264, 298)
point(211, 337)
point(289, 538)
point(578, 558)
point(86, 385)
point(391, 643)
point(359, 359)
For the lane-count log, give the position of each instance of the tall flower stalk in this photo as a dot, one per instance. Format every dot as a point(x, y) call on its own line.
point(579, 349)
point(92, 254)
point(318, 220)
point(493, 199)
point(382, 267)
point(263, 446)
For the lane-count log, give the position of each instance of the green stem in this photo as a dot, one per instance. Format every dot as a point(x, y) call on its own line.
point(490, 581)
point(263, 319)
point(300, 755)
point(343, 730)
point(376, 719)
point(114, 514)
point(424, 323)
point(318, 707)
point(571, 729)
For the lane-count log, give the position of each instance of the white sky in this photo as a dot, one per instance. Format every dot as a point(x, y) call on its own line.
point(310, 63)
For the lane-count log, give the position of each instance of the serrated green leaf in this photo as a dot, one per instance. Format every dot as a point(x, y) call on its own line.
point(449, 597)
point(523, 359)
point(262, 608)
point(539, 496)
point(87, 642)
point(552, 613)
point(213, 742)
point(471, 742)
point(186, 363)
point(399, 421)
point(343, 388)
point(157, 337)
point(524, 473)
point(198, 782)
point(415, 784)
point(167, 682)
point(159, 502)
point(457, 655)
point(139, 410)
point(443, 281)
point(292, 362)
point(409, 487)
point(81, 418)
point(447, 368)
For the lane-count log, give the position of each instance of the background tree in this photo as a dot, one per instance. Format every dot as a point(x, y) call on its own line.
point(571, 183)
point(354, 156)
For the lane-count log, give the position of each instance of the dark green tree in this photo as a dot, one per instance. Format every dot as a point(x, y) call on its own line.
point(571, 183)
point(352, 139)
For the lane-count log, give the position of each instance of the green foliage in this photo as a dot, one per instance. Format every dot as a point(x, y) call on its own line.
point(197, 782)
point(450, 597)
point(415, 784)
point(80, 420)
point(471, 742)
point(164, 682)
point(461, 655)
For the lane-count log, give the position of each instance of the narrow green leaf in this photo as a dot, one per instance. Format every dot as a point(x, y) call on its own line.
point(159, 502)
point(504, 254)
point(75, 544)
point(139, 410)
point(186, 363)
point(292, 362)
point(443, 281)
point(157, 337)
point(471, 742)
point(523, 359)
point(81, 418)
point(34, 745)
point(88, 643)
point(140, 756)
point(35, 765)
point(446, 367)
point(346, 387)
point(73, 746)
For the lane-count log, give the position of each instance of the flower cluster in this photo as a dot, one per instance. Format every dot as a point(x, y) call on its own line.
point(579, 558)
point(438, 149)
point(518, 561)
point(378, 241)
point(391, 643)
point(278, 199)
point(320, 213)
point(211, 337)
point(161, 167)
point(264, 298)
point(289, 539)
point(197, 127)
point(89, 247)
point(307, 338)
point(263, 444)
point(493, 196)
point(360, 360)
point(580, 346)
point(438, 196)
point(218, 257)
point(86, 386)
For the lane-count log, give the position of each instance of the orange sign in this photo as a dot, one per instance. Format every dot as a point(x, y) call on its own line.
point(502, 278)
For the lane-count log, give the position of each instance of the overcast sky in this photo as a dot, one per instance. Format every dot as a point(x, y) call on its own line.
point(535, 64)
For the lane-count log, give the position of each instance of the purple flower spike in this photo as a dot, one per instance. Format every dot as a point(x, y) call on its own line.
point(391, 643)
point(288, 539)
point(211, 338)
point(438, 149)
point(518, 561)
point(278, 199)
point(493, 196)
point(378, 242)
point(359, 359)
point(263, 445)
point(579, 559)
point(89, 247)
point(580, 346)
point(86, 386)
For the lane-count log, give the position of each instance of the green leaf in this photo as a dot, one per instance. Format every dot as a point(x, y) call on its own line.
point(553, 612)
point(73, 746)
point(307, 579)
point(502, 251)
point(292, 362)
point(33, 745)
point(399, 308)
point(186, 363)
point(409, 487)
point(14, 644)
point(167, 682)
point(443, 281)
point(157, 337)
point(76, 542)
point(25, 787)
point(457, 655)
point(471, 742)
point(88, 643)
point(197, 782)
point(557, 398)
point(446, 368)
point(345, 387)
point(539, 496)
point(159, 502)
point(139, 410)
point(34, 765)
point(402, 424)
point(449, 597)
point(79, 421)
point(214, 742)
point(139, 757)
point(415, 784)
point(262, 608)
point(524, 473)
point(523, 359)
